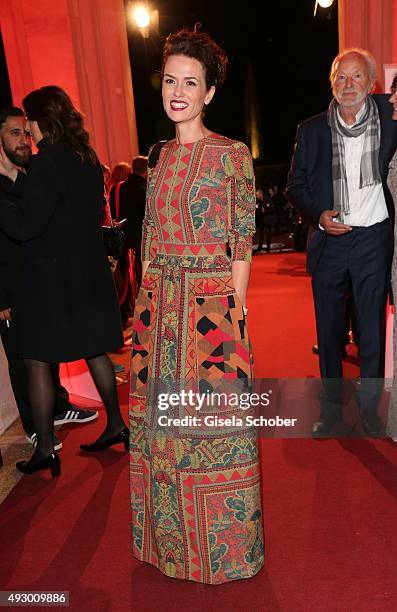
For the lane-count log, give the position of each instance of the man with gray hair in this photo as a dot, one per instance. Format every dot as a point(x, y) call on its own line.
point(338, 179)
point(131, 196)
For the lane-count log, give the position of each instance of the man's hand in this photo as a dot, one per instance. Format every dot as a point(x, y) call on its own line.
point(113, 263)
point(333, 227)
point(6, 166)
point(5, 315)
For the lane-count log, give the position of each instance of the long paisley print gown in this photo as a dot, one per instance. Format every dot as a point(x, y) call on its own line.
point(195, 492)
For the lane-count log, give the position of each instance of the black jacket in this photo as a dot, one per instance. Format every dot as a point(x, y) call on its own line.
point(132, 208)
point(310, 186)
point(10, 259)
point(66, 306)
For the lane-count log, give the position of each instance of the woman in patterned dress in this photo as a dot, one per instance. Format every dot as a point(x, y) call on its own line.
point(195, 491)
point(392, 184)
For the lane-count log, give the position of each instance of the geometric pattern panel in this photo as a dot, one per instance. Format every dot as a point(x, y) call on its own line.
point(195, 517)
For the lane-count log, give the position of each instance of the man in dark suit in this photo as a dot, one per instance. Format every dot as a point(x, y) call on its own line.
point(338, 179)
point(132, 204)
point(16, 143)
point(132, 200)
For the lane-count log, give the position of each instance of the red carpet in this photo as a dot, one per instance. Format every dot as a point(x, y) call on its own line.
point(281, 319)
point(330, 507)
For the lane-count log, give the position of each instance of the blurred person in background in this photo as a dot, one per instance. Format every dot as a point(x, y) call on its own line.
point(392, 182)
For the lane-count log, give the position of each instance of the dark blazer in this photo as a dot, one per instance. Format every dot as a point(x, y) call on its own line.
point(66, 306)
point(10, 258)
point(132, 208)
point(310, 186)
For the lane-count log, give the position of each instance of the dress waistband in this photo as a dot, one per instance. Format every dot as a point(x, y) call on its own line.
point(196, 250)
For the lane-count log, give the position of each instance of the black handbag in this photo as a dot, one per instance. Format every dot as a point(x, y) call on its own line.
point(113, 238)
point(113, 235)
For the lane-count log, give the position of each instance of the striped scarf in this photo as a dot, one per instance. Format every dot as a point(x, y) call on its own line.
point(369, 168)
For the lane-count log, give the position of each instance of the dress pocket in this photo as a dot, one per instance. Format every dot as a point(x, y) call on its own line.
point(223, 350)
point(142, 339)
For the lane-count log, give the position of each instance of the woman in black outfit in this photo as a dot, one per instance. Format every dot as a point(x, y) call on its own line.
point(67, 306)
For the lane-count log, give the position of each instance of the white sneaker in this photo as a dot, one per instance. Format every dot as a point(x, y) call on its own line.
point(32, 438)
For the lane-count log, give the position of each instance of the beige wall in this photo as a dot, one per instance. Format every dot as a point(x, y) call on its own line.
point(8, 409)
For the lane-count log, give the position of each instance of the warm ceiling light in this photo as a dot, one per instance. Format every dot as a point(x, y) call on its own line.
point(141, 16)
point(323, 4)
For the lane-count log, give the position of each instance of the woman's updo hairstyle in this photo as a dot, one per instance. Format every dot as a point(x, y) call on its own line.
point(201, 47)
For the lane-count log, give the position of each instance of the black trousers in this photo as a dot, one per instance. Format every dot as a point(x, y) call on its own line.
point(351, 322)
point(19, 379)
point(362, 258)
point(265, 226)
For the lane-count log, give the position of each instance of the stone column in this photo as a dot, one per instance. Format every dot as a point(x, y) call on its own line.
point(372, 25)
point(80, 45)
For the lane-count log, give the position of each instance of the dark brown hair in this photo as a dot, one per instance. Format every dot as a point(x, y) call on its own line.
point(139, 165)
point(10, 111)
point(59, 120)
point(393, 86)
point(201, 47)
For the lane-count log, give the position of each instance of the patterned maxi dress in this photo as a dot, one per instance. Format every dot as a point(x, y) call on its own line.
point(195, 492)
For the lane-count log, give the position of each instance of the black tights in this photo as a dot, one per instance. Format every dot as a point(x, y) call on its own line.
point(42, 400)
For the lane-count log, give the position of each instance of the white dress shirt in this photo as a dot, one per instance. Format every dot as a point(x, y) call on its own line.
point(367, 205)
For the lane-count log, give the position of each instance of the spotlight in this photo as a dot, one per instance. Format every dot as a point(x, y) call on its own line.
point(141, 16)
point(323, 4)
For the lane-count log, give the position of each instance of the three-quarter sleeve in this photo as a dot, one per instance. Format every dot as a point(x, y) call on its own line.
point(149, 231)
point(241, 194)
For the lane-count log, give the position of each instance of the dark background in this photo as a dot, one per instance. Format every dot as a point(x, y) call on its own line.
point(288, 51)
point(5, 90)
